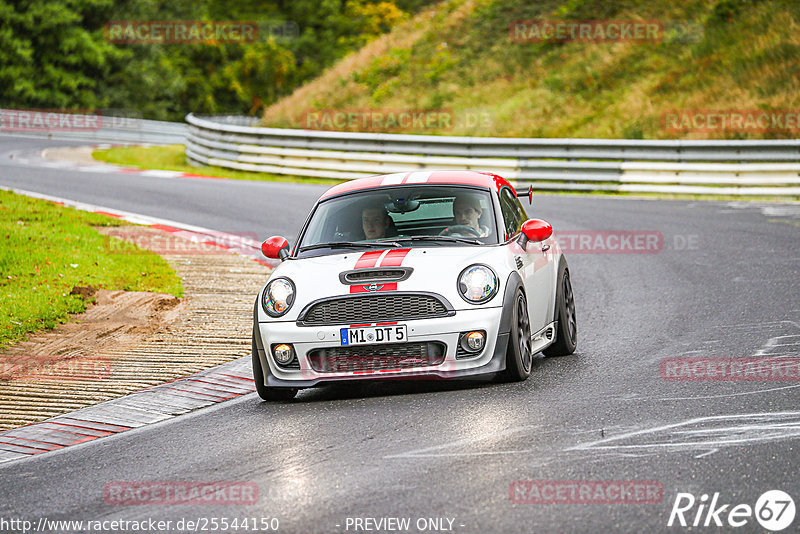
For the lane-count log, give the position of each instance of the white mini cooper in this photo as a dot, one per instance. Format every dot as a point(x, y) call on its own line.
point(412, 275)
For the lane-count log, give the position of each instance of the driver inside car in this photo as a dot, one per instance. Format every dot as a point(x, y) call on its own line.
point(375, 221)
point(467, 211)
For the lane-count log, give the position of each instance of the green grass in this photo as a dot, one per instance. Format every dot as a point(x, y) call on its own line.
point(173, 158)
point(48, 249)
point(714, 55)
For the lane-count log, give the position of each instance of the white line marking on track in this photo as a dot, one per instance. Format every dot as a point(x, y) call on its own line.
point(466, 441)
point(161, 174)
point(453, 454)
point(244, 246)
point(126, 215)
point(759, 427)
point(96, 168)
point(723, 395)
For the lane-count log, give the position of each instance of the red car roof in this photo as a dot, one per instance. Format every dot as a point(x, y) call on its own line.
point(482, 179)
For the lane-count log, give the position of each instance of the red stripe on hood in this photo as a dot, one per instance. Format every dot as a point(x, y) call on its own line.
point(394, 258)
point(368, 259)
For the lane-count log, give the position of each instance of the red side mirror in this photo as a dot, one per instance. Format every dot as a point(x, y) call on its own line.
point(535, 230)
point(276, 247)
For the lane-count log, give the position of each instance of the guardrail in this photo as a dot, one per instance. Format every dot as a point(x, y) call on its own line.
point(698, 167)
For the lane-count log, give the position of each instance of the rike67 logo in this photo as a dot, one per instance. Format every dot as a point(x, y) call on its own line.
point(774, 510)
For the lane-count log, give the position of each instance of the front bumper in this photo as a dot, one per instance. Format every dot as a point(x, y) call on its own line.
point(444, 330)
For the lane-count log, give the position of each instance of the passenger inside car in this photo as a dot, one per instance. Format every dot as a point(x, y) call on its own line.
point(467, 211)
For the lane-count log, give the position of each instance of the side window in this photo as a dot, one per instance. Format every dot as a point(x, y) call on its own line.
point(513, 213)
point(522, 215)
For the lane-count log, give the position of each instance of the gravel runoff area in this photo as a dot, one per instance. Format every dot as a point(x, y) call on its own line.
point(131, 341)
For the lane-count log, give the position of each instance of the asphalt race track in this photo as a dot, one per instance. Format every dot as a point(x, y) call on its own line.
point(725, 285)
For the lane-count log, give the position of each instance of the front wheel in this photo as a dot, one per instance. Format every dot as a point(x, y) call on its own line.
point(567, 330)
point(268, 393)
point(518, 355)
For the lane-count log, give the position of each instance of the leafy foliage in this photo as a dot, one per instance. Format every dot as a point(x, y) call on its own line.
point(54, 53)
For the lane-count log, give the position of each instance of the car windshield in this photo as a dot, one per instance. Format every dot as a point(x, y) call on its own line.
point(403, 216)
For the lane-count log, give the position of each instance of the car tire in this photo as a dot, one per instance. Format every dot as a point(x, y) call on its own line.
point(267, 393)
point(567, 329)
point(519, 357)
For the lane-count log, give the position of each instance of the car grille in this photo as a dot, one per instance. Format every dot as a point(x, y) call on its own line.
point(376, 357)
point(461, 352)
point(294, 364)
point(375, 308)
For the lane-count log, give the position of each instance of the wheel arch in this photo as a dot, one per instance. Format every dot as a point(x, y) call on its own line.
point(562, 260)
point(513, 282)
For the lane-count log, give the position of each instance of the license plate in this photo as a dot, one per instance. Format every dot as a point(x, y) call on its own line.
point(372, 335)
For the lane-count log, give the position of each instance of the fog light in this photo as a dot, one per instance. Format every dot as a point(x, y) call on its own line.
point(475, 341)
point(283, 353)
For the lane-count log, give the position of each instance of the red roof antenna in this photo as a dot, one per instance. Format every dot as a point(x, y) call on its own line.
point(530, 194)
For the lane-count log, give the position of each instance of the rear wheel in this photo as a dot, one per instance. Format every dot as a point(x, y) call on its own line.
point(567, 330)
point(518, 355)
point(268, 393)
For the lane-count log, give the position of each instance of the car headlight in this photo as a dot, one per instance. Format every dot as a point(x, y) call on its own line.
point(278, 297)
point(477, 284)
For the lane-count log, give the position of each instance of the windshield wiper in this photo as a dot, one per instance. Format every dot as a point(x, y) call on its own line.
point(350, 244)
point(446, 238)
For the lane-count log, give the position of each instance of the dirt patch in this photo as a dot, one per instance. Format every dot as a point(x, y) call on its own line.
point(85, 292)
point(75, 154)
point(118, 318)
point(131, 341)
